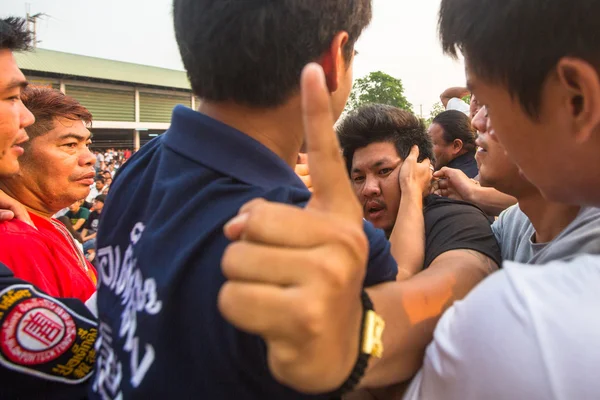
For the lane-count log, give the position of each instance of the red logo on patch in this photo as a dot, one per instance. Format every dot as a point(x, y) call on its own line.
point(37, 331)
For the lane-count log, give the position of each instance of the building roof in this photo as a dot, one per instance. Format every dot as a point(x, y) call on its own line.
point(57, 63)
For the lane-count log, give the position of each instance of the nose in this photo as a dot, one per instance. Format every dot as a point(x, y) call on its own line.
point(27, 117)
point(87, 157)
point(371, 188)
point(480, 120)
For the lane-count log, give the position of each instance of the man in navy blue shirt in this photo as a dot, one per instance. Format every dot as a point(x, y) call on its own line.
point(454, 142)
point(161, 238)
point(161, 242)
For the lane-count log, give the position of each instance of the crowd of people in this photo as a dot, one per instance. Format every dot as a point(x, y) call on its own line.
point(390, 259)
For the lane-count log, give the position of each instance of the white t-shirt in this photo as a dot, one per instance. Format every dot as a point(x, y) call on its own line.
point(527, 332)
point(457, 104)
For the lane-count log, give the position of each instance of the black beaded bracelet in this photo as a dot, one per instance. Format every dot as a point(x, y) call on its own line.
point(363, 358)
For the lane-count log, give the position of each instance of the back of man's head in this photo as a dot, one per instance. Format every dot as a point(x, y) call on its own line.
point(377, 123)
point(520, 54)
point(456, 125)
point(252, 52)
point(14, 35)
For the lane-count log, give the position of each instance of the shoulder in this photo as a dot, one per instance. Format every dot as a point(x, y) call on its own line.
point(16, 232)
point(457, 225)
point(433, 201)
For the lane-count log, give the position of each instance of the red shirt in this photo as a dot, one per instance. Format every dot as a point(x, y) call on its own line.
point(47, 257)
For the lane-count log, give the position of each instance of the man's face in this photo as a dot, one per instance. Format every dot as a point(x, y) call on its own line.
point(99, 185)
point(444, 152)
point(14, 117)
point(496, 169)
point(97, 205)
point(374, 176)
point(546, 150)
point(59, 167)
point(75, 206)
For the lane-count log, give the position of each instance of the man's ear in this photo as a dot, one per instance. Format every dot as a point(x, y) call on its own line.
point(579, 85)
point(333, 62)
point(457, 146)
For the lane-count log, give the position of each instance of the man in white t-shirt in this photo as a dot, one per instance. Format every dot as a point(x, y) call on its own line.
point(528, 332)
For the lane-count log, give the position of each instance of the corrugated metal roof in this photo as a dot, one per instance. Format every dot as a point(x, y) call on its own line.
point(66, 64)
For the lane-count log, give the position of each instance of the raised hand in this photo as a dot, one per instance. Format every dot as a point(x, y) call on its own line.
point(295, 275)
point(453, 183)
point(415, 175)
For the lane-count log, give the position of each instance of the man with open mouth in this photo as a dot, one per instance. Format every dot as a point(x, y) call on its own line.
point(376, 140)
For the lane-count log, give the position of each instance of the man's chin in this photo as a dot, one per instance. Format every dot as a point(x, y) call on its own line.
point(8, 168)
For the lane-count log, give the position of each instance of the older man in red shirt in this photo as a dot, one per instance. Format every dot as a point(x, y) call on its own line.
point(57, 169)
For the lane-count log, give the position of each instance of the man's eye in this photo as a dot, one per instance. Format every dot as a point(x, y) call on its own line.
point(385, 171)
point(358, 179)
point(71, 145)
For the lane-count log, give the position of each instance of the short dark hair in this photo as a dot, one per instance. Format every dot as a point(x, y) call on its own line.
point(99, 178)
point(101, 197)
point(518, 43)
point(456, 125)
point(253, 52)
point(375, 123)
point(47, 104)
point(14, 34)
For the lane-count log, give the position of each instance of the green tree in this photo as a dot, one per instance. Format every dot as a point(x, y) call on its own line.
point(380, 88)
point(437, 108)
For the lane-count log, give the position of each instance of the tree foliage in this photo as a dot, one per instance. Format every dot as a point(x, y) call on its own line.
point(437, 108)
point(380, 88)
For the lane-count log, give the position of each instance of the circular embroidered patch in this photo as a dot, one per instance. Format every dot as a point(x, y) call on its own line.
point(37, 331)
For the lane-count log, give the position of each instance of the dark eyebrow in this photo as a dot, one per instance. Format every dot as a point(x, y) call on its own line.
point(17, 83)
point(377, 164)
point(75, 136)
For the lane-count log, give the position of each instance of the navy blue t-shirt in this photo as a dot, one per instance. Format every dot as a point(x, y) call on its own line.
point(159, 253)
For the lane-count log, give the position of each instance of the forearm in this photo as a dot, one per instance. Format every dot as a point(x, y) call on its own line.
point(87, 237)
point(491, 200)
point(78, 224)
point(458, 92)
point(408, 237)
point(411, 310)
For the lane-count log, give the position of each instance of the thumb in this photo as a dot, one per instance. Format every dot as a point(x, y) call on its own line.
point(6, 215)
point(331, 186)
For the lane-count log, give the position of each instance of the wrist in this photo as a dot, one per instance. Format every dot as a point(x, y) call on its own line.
point(370, 344)
point(474, 194)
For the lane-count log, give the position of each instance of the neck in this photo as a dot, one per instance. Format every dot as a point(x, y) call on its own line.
point(549, 219)
point(27, 198)
point(462, 153)
point(279, 129)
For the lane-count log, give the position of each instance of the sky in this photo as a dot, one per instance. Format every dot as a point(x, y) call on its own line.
point(401, 40)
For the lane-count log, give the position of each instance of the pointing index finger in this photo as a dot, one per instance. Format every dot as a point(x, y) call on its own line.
point(331, 187)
